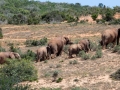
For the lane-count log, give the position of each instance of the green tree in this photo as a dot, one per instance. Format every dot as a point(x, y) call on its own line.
point(94, 16)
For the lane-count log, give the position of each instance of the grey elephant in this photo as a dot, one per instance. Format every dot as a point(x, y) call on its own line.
point(5, 55)
point(56, 45)
point(74, 49)
point(110, 36)
point(85, 45)
point(43, 53)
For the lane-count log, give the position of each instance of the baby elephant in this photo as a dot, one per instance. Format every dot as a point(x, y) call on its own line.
point(43, 53)
point(85, 45)
point(5, 55)
point(74, 49)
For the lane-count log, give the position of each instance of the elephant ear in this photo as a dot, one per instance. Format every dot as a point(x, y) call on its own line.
point(67, 41)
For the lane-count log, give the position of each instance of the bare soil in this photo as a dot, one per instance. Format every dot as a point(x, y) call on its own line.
point(91, 74)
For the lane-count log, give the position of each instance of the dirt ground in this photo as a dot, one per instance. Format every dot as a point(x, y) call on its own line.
point(90, 74)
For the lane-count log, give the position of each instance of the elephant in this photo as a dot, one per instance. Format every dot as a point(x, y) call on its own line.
point(74, 49)
point(85, 45)
point(43, 53)
point(56, 45)
point(5, 55)
point(110, 36)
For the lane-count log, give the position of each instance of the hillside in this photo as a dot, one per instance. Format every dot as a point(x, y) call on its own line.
point(75, 72)
point(36, 12)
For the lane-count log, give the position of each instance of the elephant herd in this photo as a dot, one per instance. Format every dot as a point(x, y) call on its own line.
point(55, 46)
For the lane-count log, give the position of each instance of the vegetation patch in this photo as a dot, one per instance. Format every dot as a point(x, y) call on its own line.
point(116, 75)
point(40, 42)
point(16, 71)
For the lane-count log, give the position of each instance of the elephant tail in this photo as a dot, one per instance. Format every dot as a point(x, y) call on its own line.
point(118, 36)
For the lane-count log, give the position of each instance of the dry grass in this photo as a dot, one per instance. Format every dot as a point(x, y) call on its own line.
point(91, 74)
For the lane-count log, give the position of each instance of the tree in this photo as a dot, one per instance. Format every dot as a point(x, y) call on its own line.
point(94, 16)
point(101, 5)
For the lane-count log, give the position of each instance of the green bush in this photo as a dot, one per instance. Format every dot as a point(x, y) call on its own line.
point(100, 21)
point(116, 75)
point(93, 57)
point(98, 53)
point(29, 55)
point(94, 16)
point(15, 49)
point(93, 46)
point(41, 42)
point(115, 22)
point(73, 62)
point(17, 71)
point(22, 70)
point(1, 35)
point(59, 80)
point(11, 83)
point(83, 55)
point(116, 48)
point(2, 49)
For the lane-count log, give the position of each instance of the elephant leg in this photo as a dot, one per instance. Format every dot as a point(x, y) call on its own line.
point(60, 52)
point(38, 58)
point(48, 55)
point(114, 42)
point(104, 45)
point(54, 53)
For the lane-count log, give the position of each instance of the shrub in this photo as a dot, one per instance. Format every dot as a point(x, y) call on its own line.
point(29, 55)
point(114, 21)
point(41, 42)
point(93, 57)
point(100, 21)
point(73, 62)
point(116, 75)
point(22, 70)
point(1, 35)
point(116, 48)
point(98, 53)
point(55, 75)
point(2, 49)
point(59, 80)
point(14, 49)
point(14, 72)
point(11, 83)
point(93, 46)
point(83, 55)
point(94, 16)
